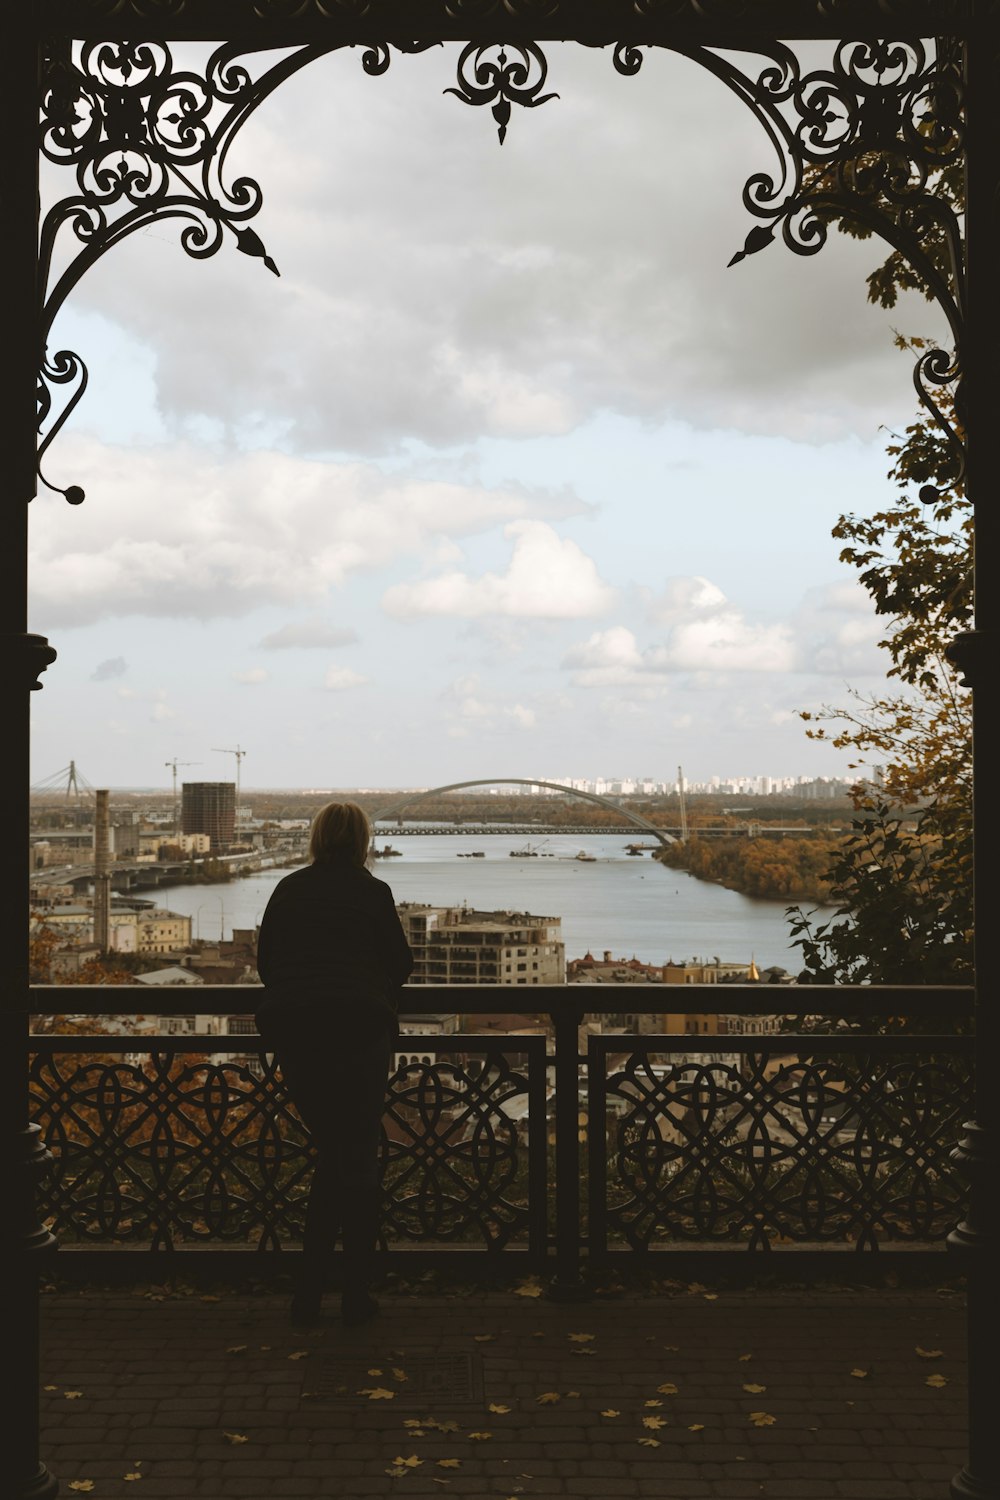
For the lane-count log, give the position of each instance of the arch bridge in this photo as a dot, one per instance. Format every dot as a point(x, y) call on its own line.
point(413, 798)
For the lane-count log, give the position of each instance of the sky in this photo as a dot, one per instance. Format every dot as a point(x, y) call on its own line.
point(506, 475)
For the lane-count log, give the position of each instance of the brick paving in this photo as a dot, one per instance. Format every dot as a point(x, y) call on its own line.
point(500, 1394)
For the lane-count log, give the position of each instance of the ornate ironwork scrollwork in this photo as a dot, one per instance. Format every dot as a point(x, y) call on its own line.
point(867, 141)
point(814, 1150)
point(173, 1148)
point(491, 75)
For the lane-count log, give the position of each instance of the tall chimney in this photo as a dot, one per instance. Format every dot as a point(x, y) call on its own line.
point(102, 880)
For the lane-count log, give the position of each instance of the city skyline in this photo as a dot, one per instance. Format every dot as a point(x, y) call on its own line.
point(483, 479)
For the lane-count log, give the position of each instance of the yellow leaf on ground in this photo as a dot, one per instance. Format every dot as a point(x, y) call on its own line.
point(377, 1393)
point(581, 1338)
point(373, 1372)
point(861, 1374)
point(744, 1357)
point(50, 1387)
point(446, 1426)
point(610, 1412)
point(936, 1380)
point(484, 1338)
point(652, 1403)
point(667, 1388)
point(397, 1472)
point(133, 1475)
point(479, 1437)
point(696, 1427)
point(413, 1462)
point(72, 1395)
point(528, 1289)
point(695, 1287)
point(654, 1423)
point(300, 1354)
point(398, 1374)
point(649, 1442)
point(498, 1408)
point(414, 1422)
point(449, 1463)
point(80, 1484)
point(710, 1297)
point(762, 1419)
point(235, 1437)
point(570, 1395)
point(237, 1349)
point(755, 1390)
point(923, 1353)
point(211, 1297)
point(547, 1397)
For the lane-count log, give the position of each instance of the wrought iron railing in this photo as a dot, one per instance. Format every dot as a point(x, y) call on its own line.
point(509, 1148)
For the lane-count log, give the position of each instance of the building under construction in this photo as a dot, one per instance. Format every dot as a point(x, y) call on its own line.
point(209, 807)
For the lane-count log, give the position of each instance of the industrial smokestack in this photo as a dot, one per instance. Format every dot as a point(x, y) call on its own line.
point(102, 879)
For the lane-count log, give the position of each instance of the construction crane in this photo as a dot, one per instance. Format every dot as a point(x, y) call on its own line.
point(173, 764)
point(223, 750)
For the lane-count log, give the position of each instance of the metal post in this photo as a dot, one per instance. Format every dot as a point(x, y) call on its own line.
point(24, 658)
point(976, 1237)
point(568, 1284)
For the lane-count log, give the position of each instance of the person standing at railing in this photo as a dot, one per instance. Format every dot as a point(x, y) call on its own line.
point(333, 956)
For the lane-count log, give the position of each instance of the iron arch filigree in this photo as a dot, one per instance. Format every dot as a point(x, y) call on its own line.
point(866, 142)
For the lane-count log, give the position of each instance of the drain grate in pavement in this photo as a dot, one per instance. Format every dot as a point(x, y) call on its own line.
point(447, 1379)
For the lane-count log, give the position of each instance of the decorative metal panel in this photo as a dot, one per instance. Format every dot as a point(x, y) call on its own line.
point(766, 1149)
point(172, 1148)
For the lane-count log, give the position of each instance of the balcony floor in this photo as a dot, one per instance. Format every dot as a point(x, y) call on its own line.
point(196, 1395)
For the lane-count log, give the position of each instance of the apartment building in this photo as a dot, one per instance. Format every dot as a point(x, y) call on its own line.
point(458, 945)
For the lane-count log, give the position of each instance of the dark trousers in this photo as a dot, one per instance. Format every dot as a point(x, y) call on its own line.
point(340, 1099)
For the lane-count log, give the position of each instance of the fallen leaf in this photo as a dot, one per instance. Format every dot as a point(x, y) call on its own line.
point(80, 1484)
point(671, 1348)
point(860, 1374)
point(449, 1463)
point(300, 1354)
point(710, 1297)
point(667, 1388)
point(610, 1412)
point(652, 1403)
point(413, 1462)
point(377, 1393)
point(50, 1387)
point(695, 1287)
point(373, 1372)
point(547, 1398)
point(744, 1357)
point(134, 1475)
point(571, 1395)
point(399, 1374)
point(235, 1437)
point(479, 1437)
point(72, 1395)
point(484, 1338)
point(498, 1408)
point(649, 1442)
point(414, 1422)
point(397, 1471)
point(936, 1380)
point(446, 1426)
point(581, 1338)
point(528, 1289)
point(237, 1349)
point(755, 1390)
point(696, 1427)
point(211, 1297)
point(654, 1423)
point(762, 1419)
point(583, 1351)
point(923, 1353)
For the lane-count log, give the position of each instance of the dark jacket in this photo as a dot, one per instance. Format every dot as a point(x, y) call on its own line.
point(333, 956)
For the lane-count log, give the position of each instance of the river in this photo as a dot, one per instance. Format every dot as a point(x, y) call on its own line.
point(628, 905)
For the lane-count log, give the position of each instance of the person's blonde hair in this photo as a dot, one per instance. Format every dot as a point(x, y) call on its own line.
point(339, 828)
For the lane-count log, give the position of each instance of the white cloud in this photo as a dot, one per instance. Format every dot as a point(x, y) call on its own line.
point(727, 642)
point(308, 634)
point(178, 531)
point(338, 679)
point(549, 577)
point(252, 677)
point(105, 671)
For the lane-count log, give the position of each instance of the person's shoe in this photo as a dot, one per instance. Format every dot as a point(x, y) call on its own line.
point(358, 1308)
